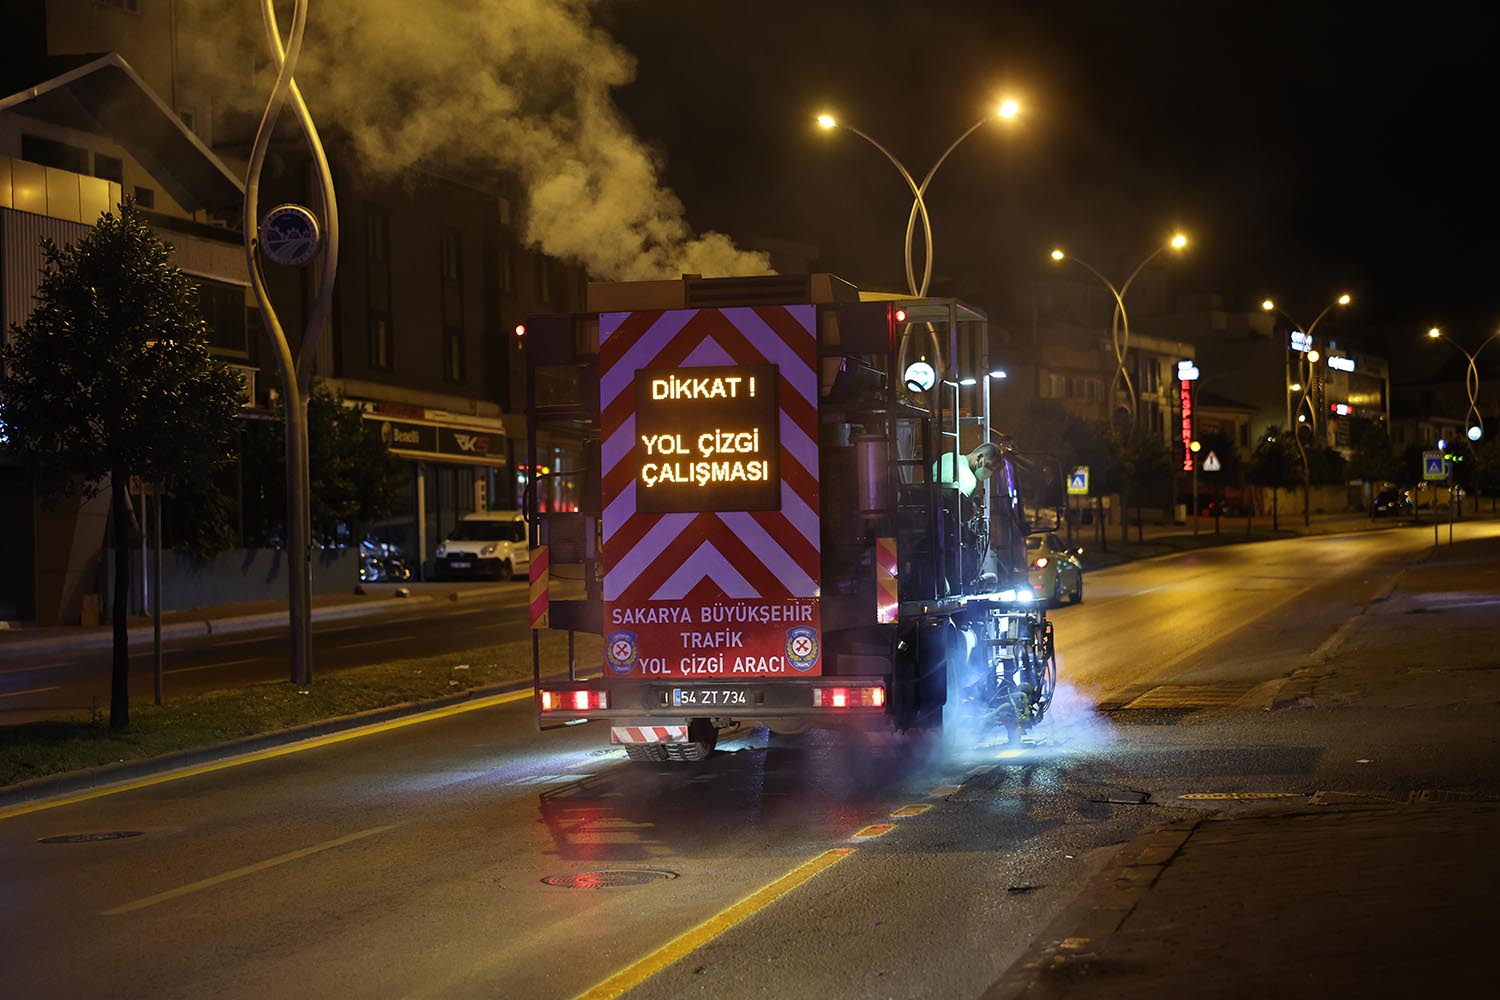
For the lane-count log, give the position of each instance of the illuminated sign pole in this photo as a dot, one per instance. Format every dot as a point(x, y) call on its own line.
point(1187, 374)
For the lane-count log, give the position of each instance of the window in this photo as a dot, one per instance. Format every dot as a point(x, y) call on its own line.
point(110, 168)
point(508, 270)
point(380, 339)
point(453, 354)
point(145, 197)
point(452, 254)
point(50, 153)
point(377, 235)
point(543, 280)
point(223, 307)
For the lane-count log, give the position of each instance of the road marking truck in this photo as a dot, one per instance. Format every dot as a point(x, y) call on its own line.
point(751, 490)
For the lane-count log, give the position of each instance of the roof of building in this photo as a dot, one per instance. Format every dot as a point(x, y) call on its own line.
point(105, 96)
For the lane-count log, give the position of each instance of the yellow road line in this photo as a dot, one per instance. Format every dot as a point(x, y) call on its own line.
point(940, 792)
point(268, 754)
point(916, 810)
point(875, 830)
point(17, 694)
point(633, 975)
point(259, 866)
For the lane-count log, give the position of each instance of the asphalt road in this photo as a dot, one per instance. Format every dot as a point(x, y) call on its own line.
point(36, 685)
point(409, 862)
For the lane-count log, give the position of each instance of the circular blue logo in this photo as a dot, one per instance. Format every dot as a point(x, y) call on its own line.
point(802, 647)
point(621, 651)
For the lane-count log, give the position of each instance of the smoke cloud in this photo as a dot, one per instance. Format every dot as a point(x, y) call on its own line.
point(520, 86)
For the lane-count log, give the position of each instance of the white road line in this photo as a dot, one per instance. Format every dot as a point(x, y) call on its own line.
point(259, 866)
point(17, 694)
point(376, 642)
point(213, 666)
point(39, 666)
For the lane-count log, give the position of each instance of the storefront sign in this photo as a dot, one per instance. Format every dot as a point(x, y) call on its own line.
point(439, 443)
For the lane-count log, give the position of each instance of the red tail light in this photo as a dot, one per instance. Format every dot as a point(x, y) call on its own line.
point(1041, 562)
point(577, 701)
point(848, 697)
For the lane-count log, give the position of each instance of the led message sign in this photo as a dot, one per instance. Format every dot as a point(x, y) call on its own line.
point(1301, 341)
point(1341, 364)
point(1187, 374)
point(707, 439)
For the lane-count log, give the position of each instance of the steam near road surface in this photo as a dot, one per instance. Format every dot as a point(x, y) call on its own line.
point(522, 86)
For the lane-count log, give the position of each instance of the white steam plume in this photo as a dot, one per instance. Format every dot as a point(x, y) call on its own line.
point(522, 86)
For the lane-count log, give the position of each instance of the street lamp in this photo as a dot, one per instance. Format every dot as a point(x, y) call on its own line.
point(290, 235)
point(1119, 325)
point(1007, 110)
point(1472, 417)
point(1310, 419)
point(1311, 355)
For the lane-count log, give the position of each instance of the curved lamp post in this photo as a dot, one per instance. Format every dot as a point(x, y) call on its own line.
point(1310, 355)
point(1304, 388)
point(289, 235)
point(1475, 429)
point(1007, 109)
point(1119, 325)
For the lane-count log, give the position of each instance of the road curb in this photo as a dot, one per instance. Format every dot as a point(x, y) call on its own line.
point(1099, 911)
point(57, 785)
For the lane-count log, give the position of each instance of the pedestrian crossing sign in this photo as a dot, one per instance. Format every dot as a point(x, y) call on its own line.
point(1078, 481)
point(1432, 466)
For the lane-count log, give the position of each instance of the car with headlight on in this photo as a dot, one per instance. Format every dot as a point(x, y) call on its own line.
point(1053, 569)
point(489, 545)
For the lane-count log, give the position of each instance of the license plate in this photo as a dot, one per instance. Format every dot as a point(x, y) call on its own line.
point(459, 565)
point(709, 697)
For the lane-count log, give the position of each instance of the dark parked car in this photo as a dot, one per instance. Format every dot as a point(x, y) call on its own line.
point(1392, 501)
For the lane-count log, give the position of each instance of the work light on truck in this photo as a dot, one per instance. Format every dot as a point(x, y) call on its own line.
point(576, 701)
point(848, 697)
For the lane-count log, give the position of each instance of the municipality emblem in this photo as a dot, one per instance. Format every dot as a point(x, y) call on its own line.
point(621, 652)
point(802, 647)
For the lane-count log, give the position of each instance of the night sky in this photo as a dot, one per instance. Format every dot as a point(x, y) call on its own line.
point(1308, 148)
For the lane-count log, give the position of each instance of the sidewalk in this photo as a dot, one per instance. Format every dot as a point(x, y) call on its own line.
point(1364, 901)
point(242, 617)
point(1388, 892)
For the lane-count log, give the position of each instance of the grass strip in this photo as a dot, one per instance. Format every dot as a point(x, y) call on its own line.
point(72, 743)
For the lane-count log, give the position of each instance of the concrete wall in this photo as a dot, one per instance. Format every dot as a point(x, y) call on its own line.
point(236, 576)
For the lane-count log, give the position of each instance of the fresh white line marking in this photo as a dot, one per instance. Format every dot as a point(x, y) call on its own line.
point(378, 642)
point(259, 866)
point(213, 666)
point(17, 694)
point(40, 666)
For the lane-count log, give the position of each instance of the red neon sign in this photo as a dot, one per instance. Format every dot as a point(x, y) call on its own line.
point(1186, 392)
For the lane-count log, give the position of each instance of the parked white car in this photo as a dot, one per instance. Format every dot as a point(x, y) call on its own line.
point(490, 545)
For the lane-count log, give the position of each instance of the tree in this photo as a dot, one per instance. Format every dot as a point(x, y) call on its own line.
point(355, 480)
point(1275, 463)
point(109, 378)
point(1374, 460)
point(1145, 464)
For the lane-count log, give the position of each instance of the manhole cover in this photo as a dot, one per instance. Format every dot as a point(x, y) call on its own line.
point(88, 838)
point(617, 879)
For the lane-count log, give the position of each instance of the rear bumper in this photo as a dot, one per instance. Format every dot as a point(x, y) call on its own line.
point(653, 702)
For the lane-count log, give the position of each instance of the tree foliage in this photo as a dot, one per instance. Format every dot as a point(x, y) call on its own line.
point(1275, 463)
point(110, 377)
point(355, 480)
point(1374, 459)
point(111, 372)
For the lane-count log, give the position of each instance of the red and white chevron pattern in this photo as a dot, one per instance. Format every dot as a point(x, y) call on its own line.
point(769, 555)
point(648, 734)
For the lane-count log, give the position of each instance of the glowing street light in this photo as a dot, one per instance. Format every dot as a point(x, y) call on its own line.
point(1007, 110)
point(1119, 325)
point(1472, 417)
point(1311, 355)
